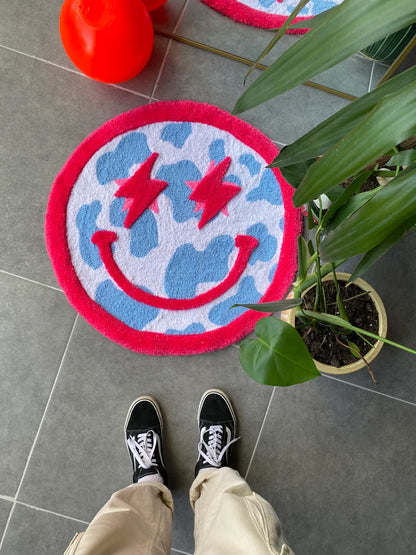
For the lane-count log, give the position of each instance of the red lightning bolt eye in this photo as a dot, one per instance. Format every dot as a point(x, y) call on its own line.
point(212, 193)
point(140, 190)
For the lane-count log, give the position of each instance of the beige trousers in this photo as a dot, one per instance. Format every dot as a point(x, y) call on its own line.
point(230, 519)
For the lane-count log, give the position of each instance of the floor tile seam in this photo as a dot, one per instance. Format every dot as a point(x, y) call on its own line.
point(70, 70)
point(10, 274)
point(165, 57)
point(392, 397)
point(58, 373)
point(159, 73)
point(38, 432)
point(260, 433)
point(41, 509)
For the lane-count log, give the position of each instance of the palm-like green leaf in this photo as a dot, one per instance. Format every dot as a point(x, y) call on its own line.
point(276, 306)
point(395, 112)
point(337, 321)
point(322, 137)
point(379, 250)
point(278, 356)
point(372, 223)
point(347, 29)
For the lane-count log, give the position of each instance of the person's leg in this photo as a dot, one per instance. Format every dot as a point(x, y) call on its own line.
point(229, 516)
point(137, 519)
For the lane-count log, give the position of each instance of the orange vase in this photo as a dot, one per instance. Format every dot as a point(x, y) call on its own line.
point(108, 40)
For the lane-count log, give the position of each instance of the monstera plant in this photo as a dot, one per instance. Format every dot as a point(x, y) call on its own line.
point(372, 136)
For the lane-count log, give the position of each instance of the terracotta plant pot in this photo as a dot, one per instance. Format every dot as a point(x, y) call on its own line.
point(382, 327)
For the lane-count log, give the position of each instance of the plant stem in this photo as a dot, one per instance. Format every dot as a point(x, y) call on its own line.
point(340, 305)
point(320, 300)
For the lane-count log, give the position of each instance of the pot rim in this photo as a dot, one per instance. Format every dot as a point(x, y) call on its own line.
point(382, 327)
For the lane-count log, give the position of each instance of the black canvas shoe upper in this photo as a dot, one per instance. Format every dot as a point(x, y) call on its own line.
point(143, 434)
point(217, 430)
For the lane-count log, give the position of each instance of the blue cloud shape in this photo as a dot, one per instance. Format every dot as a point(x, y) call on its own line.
point(143, 233)
point(217, 150)
point(189, 267)
point(221, 314)
point(267, 243)
point(190, 330)
point(177, 190)
point(132, 313)
point(132, 149)
point(249, 161)
point(266, 3)
point(86, 223)
point(177, 133)
point(268, 189)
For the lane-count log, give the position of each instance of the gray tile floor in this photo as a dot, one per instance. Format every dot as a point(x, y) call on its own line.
point(336, 457)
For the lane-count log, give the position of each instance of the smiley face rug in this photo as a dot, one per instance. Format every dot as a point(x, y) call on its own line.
point(163, 219)
point(270, 14)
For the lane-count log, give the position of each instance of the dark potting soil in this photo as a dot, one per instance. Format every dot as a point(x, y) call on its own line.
point(322, 343)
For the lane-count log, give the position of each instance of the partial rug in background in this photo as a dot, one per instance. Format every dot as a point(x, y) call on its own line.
point(269, 14)
point(164, 218)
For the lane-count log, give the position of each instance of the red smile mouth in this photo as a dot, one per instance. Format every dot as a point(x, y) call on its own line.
point(104, 239)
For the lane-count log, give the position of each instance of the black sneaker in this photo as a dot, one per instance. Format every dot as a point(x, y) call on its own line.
point(143, 433)
point(217, 430)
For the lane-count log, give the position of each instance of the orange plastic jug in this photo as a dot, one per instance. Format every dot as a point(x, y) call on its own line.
point(108, 40)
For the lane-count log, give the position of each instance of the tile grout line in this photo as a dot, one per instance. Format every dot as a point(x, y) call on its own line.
point(51, 512)
point(38, 432)
point(260, 433)
point(76, 72)
point(370, 390)
point(165, 57)
point(31, 281)
point(159, 74)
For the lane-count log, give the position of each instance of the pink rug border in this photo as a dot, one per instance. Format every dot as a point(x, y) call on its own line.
point(249, 16)
point(146, 342)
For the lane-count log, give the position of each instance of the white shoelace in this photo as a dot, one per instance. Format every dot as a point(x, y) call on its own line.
point(211, 452)
point(142, 447)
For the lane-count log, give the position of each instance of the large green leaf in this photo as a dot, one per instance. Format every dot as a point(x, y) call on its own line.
point(278, 356)
point(344, 212)
point(389, 123)
point(346, 194)
point(367, 227)
point(322, 137)
point(347, 29)
point(379, 250)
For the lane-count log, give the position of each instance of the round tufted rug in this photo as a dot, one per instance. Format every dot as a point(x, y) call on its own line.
point(164, 218)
